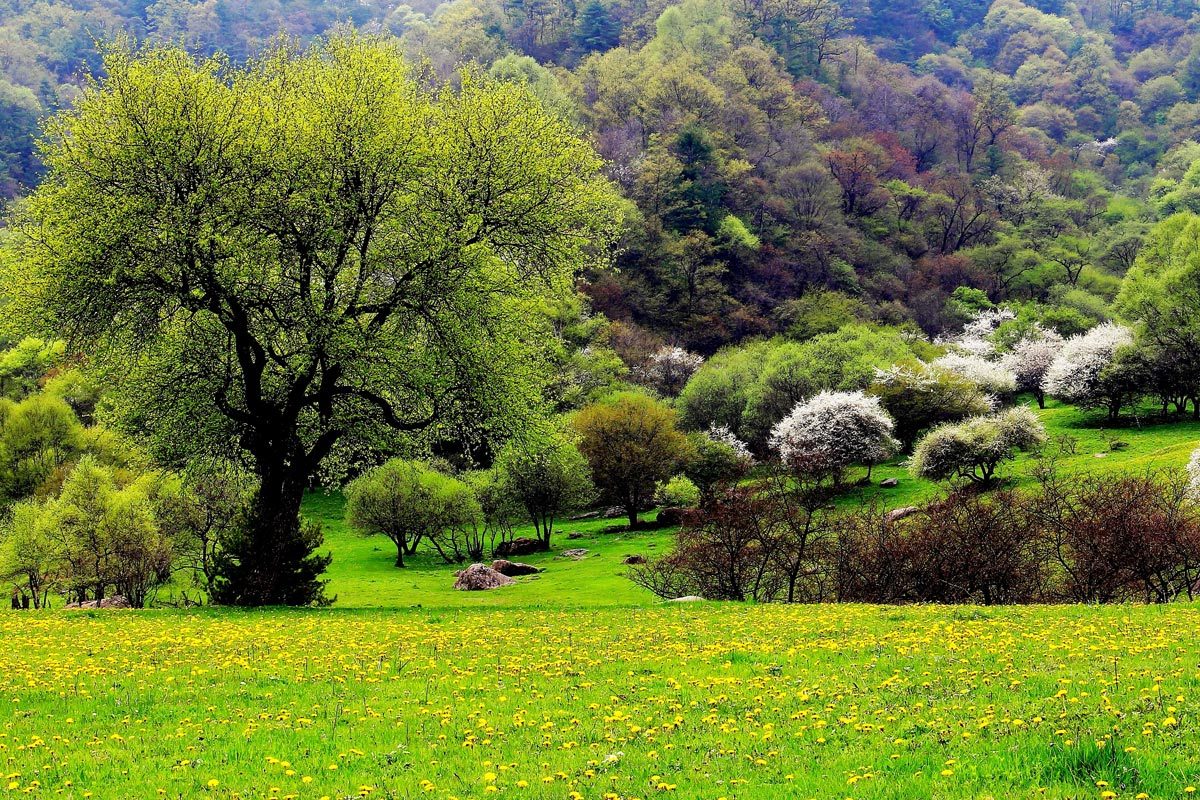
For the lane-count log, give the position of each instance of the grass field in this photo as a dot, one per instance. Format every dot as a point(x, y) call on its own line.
point(576, 684)
point(694, 701)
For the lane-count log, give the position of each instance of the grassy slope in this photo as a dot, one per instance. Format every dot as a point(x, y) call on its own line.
point(363, 575)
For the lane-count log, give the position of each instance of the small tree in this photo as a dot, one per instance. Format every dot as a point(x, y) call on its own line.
point(718, 458)
point(410, 502)
point(668, 369)
point(631, 442)
point(1081, 372)
point(547, 475)
point(29, 557)
point(1030, 360)
point(973, 449)
point(825, 435)
point(992, 377)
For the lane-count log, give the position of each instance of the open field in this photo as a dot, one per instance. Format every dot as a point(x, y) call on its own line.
point(697, 701)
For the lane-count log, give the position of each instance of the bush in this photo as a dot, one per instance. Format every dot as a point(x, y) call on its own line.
point(973, 449)
point(668, 369)
point(832, 431)
point(718, 459)
point(1081, 372)
point(679, 492)
point(547, 475)
point(631, 442)
point(919, 396)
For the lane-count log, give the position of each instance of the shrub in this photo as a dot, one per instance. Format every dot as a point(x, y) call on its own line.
point(832, 431)
point(1030, 360)
point(990, 376)
point(973, 449)
point(679, 492)
point(410, 502)
point(547, 475)
point(718, 458)
point(668, 369)
point(919, 396)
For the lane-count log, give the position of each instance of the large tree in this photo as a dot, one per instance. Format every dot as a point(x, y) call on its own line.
point(313, 251)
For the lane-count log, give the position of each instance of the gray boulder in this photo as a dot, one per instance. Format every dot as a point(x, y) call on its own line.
point(479, 577)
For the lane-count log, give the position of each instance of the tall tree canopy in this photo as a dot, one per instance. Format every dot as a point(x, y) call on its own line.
point(311, 251)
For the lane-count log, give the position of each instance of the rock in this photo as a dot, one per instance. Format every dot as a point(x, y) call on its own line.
point(897, 514)
point(514, 568)
point(480, 576)
point(574, 535)
point(689, 598)
point(670, 516)
point(1100, 455)
point(116, 601)
point(889, 483)
point(586, 515)
point(634, 560)
point(522, 546)
point(575, 553)
point(612, 512)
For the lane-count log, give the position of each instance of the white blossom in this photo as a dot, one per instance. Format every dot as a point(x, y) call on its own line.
point(832, 430)
point(1193, 471)
point(722, 434)
point(991, 376)
point(1074, 375)
point(669, 368)
point(1032, 357)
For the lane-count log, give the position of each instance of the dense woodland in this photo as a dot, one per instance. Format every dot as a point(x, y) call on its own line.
point(482, 263)
point(770, 149)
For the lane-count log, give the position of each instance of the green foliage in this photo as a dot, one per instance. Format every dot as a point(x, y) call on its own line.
point(918, 396)
point(410, 503)
point(631, 443)
point(547, 475)
point(25, 364)
point(975, 448)
point(678, 492)
point(329, 307)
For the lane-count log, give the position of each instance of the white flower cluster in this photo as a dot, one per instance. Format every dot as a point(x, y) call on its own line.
point(1075, 373)
point(669, 368)
point(833, 430)
point(1193, 470)
point(976, 335)
point(993, 377)
point(1032, 357)
point(722, 434)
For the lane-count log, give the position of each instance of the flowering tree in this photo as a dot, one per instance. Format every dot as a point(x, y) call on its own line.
point(668, 369)
point(719, 457)
point(993, 377)
point(974, 448)
point(1080, 373)
point(833, 430)
point(1031, 359)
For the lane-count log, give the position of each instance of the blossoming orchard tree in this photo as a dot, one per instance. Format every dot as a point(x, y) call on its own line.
point(832, 431)
point(1082, 374)
point(311, 251)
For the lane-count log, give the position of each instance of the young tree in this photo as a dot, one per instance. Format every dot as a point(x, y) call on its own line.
point(668, 369)
point(973, 449)
point(631, 442)
point(547, 475)
point(411, 502)
point(718, 458)
point(1081, 373)
point(832, 431)
point(312, 248)
point(1030, 360)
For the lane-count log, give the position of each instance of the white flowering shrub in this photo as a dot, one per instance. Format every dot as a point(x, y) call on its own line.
point(668, 369)
point(919, 396)
point(1077, 374)
point(973, 449)
point(833, 430)
point(976, 336)
point(1193, 471)
point(1031, 358)
point(993, 377)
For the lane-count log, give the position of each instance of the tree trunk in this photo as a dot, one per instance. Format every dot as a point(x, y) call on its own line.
point(272, 561)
